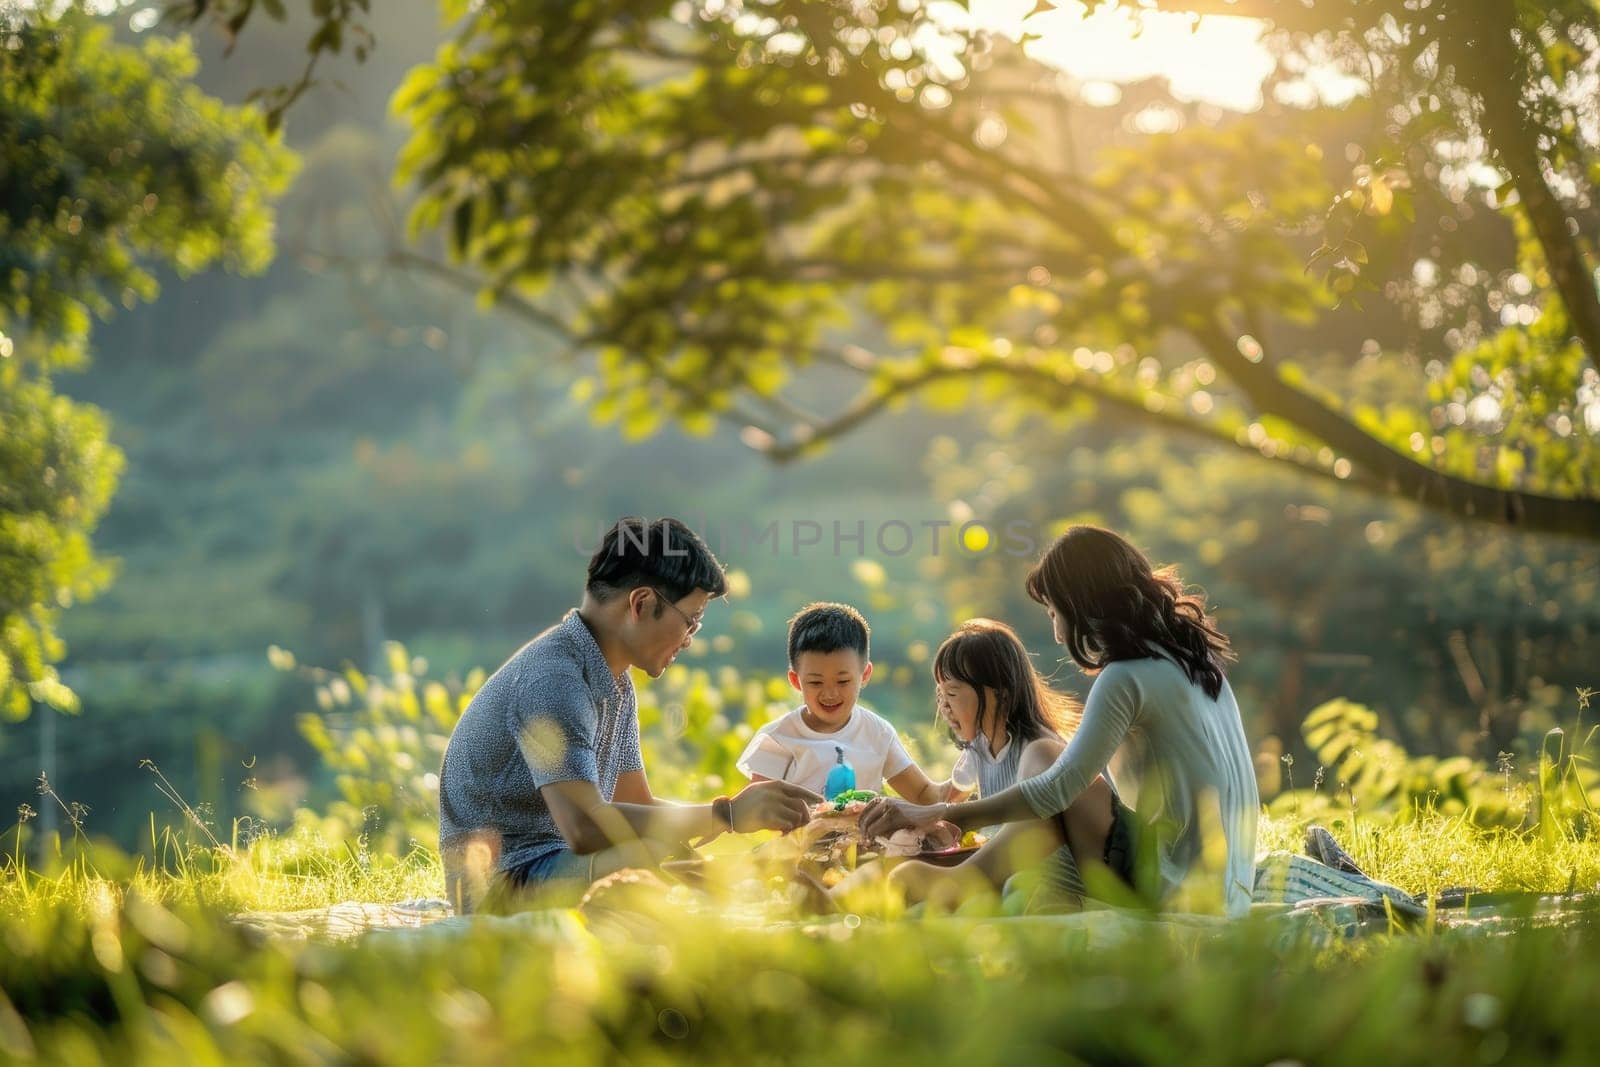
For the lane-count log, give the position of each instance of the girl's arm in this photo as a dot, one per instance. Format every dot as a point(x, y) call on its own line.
point(914, 785)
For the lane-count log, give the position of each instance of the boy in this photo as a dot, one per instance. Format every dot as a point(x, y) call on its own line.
point(829, 664)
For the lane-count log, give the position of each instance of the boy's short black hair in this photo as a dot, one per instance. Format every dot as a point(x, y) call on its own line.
point(663, 554)
point(827, 628)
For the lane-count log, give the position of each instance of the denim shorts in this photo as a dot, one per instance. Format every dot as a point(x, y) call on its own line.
point(562, 865)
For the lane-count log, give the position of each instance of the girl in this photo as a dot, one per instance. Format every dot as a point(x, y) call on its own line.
point(1156, 658)
point(1009, 723)
point(995, 705)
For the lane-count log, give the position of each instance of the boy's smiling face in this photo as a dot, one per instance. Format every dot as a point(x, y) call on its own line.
point(830, 682)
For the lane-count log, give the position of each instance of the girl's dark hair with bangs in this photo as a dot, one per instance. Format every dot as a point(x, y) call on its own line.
point(1114, 605)
point(987, 654)
point(664, 554)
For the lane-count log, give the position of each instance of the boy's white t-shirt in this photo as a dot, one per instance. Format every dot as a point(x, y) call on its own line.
point(789, 750)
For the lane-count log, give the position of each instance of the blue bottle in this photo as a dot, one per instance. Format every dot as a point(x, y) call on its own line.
point(841, 778)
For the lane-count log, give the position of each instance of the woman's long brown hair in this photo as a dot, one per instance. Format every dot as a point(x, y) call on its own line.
point(987, 654)
point(1114, 605)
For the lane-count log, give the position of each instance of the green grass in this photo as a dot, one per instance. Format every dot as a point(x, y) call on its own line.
point(1437, 852)
point(137, 959)
point(301, 870)
point(276, 874)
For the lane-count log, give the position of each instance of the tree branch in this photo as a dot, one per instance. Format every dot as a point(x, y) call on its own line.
point(507, 299)
point(1433, 489)
point(1041, 384)
point(740, 165)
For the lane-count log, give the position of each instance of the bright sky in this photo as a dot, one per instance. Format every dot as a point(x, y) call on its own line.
point(1219, 60)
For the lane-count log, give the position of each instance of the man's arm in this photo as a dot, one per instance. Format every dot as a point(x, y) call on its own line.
point(590, 824)
point(633, 787)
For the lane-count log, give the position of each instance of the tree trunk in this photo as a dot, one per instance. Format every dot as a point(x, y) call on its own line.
point(1478, 45)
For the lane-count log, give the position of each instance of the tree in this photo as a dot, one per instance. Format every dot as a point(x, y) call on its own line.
point(719, 198)
point(111, 165)
point(708, 195)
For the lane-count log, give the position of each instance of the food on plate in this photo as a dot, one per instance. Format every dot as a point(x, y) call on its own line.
point(833, 836)
point(851, 801)
point(907, 842)
point(832, 840)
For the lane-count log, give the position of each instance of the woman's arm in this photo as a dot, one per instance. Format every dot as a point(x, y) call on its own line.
point(884, 816)
point(1108, 714)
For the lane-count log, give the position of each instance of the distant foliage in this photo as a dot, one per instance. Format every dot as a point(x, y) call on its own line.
point(58, 468)
point(1359, 769)
point(1361, 774)
point(694, 723)
point(382, 739)
point(112, 165)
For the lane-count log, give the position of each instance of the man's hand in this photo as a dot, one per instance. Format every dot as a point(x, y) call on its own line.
point(772, 806)
point(886, 815)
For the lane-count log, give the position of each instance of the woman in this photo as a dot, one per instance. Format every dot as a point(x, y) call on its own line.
point(1159, 696)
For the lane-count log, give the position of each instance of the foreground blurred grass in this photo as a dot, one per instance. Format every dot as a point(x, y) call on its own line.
point(106, 957)
point(109, 959)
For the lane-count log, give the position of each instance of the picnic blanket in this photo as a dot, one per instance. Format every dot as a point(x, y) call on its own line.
point(1309, 899)
point(1290, 878)
point(345, 921)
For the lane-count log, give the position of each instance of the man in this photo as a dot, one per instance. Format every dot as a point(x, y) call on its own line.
point(543, 780)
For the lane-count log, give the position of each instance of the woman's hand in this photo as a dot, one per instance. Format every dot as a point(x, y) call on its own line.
point(885, 815)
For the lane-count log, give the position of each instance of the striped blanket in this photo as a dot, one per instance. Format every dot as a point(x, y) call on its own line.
point(1290, 878)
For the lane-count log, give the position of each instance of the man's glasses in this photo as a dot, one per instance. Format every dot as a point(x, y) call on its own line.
point(693, 624)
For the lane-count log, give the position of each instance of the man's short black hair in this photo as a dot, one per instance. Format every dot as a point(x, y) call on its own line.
point(827, 628)
point(663, 554)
